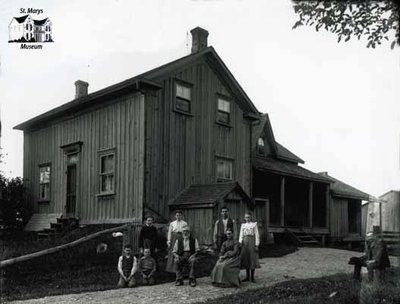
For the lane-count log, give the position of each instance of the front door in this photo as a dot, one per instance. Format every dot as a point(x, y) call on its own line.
point(71, 185)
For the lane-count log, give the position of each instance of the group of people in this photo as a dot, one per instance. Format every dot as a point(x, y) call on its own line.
point(234, 253)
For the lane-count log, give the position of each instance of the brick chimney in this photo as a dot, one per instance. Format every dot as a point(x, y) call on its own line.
point(199, 39)
point(81, 88)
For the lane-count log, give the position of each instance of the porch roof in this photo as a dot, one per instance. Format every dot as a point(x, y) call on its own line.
point(208, 194)
point(341, 189)
point(287, 168)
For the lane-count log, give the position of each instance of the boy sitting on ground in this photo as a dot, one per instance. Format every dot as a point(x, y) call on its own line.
point(147, 267)
point(127, 265)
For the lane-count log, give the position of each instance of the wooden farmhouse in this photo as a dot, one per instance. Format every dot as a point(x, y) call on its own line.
point(181, 136)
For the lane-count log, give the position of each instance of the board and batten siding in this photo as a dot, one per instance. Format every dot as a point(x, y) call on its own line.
point(339, 221)
point(181, 149)
point(119, 126)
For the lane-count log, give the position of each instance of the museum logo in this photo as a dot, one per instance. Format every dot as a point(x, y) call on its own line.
point(30, 32)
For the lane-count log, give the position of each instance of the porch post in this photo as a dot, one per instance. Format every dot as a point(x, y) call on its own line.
point(310, 205)
point(328, 205)
point(282, 201)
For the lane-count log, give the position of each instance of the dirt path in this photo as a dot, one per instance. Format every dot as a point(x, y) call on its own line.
point(304, 263)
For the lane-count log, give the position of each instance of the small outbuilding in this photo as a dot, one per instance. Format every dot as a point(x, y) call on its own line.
point(201, 205)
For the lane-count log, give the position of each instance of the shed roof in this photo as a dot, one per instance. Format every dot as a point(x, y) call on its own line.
point(341, 189)
point(208, 194)
point(286, 168)
point(210, 56)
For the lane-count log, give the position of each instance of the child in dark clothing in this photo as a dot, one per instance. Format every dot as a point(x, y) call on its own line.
point(148, 237)
point(147, 267)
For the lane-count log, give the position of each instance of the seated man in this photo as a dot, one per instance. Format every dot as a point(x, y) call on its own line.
point(376, 257)
point(185, 251)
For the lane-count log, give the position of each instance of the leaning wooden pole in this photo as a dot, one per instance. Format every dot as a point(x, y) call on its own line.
point(58, 248)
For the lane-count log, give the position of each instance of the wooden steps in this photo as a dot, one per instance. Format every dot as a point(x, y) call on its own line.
point(300, 238)
point(49, 226)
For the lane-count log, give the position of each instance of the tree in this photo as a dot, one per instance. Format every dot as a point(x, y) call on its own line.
point(371, 19)
point(14, 208)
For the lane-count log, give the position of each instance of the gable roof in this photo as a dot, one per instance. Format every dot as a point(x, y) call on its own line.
point(210, 56)
point(207, 194)
point(40, 22)
point(21, 19)
point(341, 189)
point(264, 128)
point(286, 168)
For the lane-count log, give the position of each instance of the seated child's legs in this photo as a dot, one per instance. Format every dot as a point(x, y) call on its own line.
point(132, 282)
point(151, 281)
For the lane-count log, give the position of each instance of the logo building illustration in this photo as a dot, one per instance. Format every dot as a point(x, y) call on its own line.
point(27, 29)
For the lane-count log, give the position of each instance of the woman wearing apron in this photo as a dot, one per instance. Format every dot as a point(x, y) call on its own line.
point(174, 232)
point(249, 239)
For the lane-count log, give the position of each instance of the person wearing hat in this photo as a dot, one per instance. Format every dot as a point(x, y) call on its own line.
point(376, 257)
point(185, 253)
point(174, 233)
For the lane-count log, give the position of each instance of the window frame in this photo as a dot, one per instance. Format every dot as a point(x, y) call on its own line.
point(40, 198)
point(101, 154)
point(261, 148)
point(188, 85)
point(226, 160)
point(228, 100)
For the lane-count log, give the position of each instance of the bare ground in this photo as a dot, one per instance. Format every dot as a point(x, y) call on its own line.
point(304, 263)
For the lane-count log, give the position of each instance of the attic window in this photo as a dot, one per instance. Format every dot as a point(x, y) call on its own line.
point(260, 146)
point(183, 93)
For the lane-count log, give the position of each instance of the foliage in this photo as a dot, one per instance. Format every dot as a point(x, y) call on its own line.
point(14, 208)
point(371, 19)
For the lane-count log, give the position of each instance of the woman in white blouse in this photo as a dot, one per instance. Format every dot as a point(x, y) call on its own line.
point(249, 239)
point(174, 232)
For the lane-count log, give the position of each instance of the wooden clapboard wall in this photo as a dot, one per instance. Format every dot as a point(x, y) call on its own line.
point(181, 149)
point(339, 221)
point(118, 125)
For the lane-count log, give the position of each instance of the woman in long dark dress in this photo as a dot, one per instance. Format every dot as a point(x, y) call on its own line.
point(226, 270)
point(174, 232)
point(249, 239)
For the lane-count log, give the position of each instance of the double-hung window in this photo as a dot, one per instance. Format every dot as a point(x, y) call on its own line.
point(183, 97)
point(224, 111)
point(107, 172)
point(224, 169)
point(44, 182)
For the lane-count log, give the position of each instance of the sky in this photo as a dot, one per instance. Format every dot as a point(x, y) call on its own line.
point(334, 105)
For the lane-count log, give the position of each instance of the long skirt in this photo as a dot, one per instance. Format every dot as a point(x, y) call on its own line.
point(170, 267)
point(248, 255)
point(226, 272)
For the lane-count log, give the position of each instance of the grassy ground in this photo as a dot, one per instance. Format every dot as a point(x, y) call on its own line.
point(327, 290)
point(81, 269)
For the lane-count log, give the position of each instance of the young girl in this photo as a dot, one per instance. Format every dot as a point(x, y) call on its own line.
point(249, 240)
point(174, 232)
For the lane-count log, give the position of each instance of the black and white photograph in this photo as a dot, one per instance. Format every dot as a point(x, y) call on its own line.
point(199, 151)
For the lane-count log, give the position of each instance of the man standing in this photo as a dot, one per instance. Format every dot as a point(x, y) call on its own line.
point(221, 226)
point(185, 253)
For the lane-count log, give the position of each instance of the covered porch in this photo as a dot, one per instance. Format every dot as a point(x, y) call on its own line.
point(298, 198)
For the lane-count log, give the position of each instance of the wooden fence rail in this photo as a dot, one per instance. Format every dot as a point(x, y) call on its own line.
point(62, 247)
